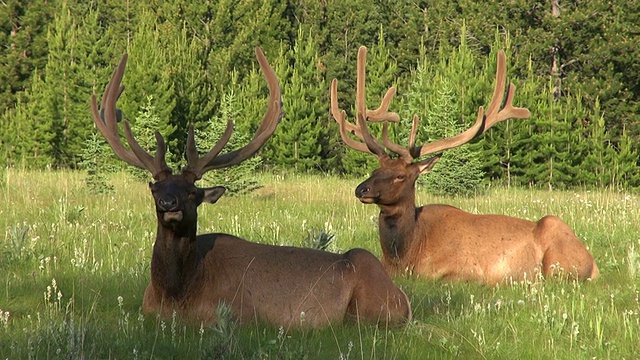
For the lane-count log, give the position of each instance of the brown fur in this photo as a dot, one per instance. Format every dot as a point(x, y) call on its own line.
point(284, 286)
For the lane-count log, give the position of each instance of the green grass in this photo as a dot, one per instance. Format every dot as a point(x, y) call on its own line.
point(74, 266)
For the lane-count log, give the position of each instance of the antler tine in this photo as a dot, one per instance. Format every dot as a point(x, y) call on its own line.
point(414, 131)
point(106, 120)
point(403, 152)
point(495, 114)
point(345, 127)
point(370, 142)
point(199, 166)
point(194, 160)
point(382, 114)
point(361, 108)
point(408, 154)
point(340, 115)
point(452, 142)
point(484, 122)
point(508, 111)
point(155, 164)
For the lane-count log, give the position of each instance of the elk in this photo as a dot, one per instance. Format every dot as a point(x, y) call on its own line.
point(192, 275)
point(440, 241)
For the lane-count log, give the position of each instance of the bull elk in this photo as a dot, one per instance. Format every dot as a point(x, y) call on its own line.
point(192, 274)
point(441, 241)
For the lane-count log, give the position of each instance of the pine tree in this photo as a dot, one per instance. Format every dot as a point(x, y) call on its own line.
point(625, 164)
point(56, 105)
point(548, 152)
point(148, 81)
point(301, 140)
point(96, 161)
point(439, 103)
point(16, 137)
point(23, 36)
point(595, 169)
point(496, 147)
point(590, 148)
point(34, 139)
point(195, 101)
point(459, 170)
point(68, 85)
point(234, 28)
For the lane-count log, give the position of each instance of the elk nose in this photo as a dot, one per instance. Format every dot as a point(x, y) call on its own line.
point(168, 203)
point(362, 190)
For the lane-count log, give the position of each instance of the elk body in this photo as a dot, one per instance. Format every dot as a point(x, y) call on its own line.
point(441, 241)
point(193, 274)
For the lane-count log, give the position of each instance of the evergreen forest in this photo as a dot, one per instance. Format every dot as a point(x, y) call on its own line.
point(575, 64)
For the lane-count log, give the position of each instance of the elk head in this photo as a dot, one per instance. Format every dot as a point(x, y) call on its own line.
point(394, 181)
point(176, 195)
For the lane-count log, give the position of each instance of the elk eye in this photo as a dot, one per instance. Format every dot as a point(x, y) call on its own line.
point(400, 177)
point(192, 196)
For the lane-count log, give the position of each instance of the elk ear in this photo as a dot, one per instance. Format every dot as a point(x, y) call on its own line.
point(427, 164)
point(211, 195)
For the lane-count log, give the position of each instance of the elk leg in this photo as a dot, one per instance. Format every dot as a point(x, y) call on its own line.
point(375, 297)
point(564, 254)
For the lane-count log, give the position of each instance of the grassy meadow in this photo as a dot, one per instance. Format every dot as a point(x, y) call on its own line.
point(74, 266)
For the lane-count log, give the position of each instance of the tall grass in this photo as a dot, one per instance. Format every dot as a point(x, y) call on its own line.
point(74, 266)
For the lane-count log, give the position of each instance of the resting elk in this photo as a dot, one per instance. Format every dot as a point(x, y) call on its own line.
point(192, 275)
point(441, 241)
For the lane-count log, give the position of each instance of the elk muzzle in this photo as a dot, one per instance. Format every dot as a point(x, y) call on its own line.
point(364, 193)
point(169, 206)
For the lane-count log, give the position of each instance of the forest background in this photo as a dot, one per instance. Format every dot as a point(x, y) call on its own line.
point(576, 66)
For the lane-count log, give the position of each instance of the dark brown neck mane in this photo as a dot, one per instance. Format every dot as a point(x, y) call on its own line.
point(174, 263)
point(397, 226)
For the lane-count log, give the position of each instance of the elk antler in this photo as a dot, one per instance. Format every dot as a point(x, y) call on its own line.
point(484, 121)
point(107, 117)
point(381, 114)
point(200, 165)
point(106, 120)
